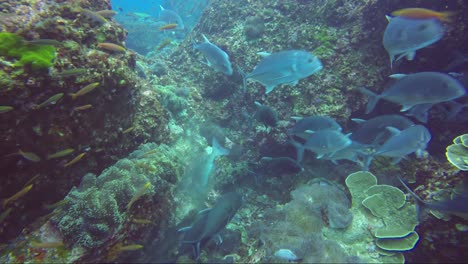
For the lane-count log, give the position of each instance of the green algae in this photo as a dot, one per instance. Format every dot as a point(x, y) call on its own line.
point(26, 54)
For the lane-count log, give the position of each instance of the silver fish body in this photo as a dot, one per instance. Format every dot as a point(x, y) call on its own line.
point(410, 140)
point(216, 58)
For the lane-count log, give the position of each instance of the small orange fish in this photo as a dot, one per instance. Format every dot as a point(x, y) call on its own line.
point(128, 130)
point(111, 47)
point(17, 195)
point(75, 160)
point(168, 26)
point(423, 13)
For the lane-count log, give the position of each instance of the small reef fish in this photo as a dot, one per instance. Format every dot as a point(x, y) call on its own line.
point(211, 221)
point(51, 42)
point(70, 72)
point(403, 36)
point(141, 221)
point(142, 191)
point(163, 44)
point(168, 27)
point(266, 115)
point(170, 17)
point(5, 109)
point(60, 154)
point(93, 16)
point(111, 47)
point(405, 142)
point(287, 255)
point(312, 123)
point(56, 205)
point(423, 13)
point(74, 160)
point(284, 67)
point(17, 195)
point(106, 13)
point(115, 250)
point(216, 58)
point(5, 214)
point(88, 88)
point(81, 108)
point(52, 100)
point(128, 130)
point(29, 156)
point(56, 244)
point(417, 88)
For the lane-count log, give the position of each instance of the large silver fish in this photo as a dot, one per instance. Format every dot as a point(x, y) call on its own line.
point(403, 36)
point(216, 58)
point(284, 67)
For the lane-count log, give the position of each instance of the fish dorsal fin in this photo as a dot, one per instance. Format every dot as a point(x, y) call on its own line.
point(358, 120)
point(389, 18)
point(162, 8)
point(393, 130)
point(205, 38)
point(263, 54)
point(258, 104)
point(405, 108)
point(397, 75)
point(319, 156)
point(296, 118)
point(310, 132)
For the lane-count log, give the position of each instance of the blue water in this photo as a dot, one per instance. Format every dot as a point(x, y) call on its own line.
point(150, 7)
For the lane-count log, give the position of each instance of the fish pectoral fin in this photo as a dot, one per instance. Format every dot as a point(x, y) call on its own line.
point(184, 229)
point(393, 130)
point(269, 89)
point(204, 211)
point(410, 55)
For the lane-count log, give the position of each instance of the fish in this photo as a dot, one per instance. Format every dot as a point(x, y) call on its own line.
point(281, 165)
point(423, 13)
point(81, 108)
point(287, 255)
point(404, 36)
point(51, 42)
point(17, 195)
point(74, 160)
point(5, 108)
point(284, 67)
point(70, 72)
point(29, 156)
point(116, 249)
point(111, 47)
point(211, 221)
point(167, 27)
point(93, 16)
point(322, 142)
point(374, 131)
point(88, 88)
point(139, 193)
point(203, 165)
point(163, 44)
point(266, 115)
point(170, 16)
point(417, 88)
point(60, 154)
point(5, 214)
point(56, 244)
point(312, 123)
point(128, 130)
point(106, 13)
point(141, 221)
point(457, 206)
point(413, 139)
point(216, 58)
point(52, 100)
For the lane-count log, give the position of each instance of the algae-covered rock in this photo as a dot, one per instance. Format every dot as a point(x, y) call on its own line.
point(457, 153)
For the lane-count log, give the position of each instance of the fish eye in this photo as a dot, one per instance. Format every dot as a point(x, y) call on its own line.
point(423, 27)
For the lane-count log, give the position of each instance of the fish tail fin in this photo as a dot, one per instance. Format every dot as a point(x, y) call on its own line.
point(374, 98)
point(244, 79)
point(447, 16)
point(218, 149)
point(299, 150)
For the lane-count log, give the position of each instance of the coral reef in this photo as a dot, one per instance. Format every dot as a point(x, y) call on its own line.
point(457, 153)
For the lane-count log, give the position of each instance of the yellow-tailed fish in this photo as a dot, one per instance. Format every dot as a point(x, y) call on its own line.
point(111, 47)
point(70, 72)
point(56, 244)
point(150, 152)
point(5, 214)
point(17, 195)
point(60, 154)
point(168, 26)
point(81, 108)
point(75, 160)
point(106, 13)
point(131, 247)
point(138, 194)
point(29, 156)
point(164, 43)
point(56, 205)
point(115, 250)
point(52, 100)
point(5, 108)
point(128, 130)
point(88, 88)
point(32, 179)
point(50, 42)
